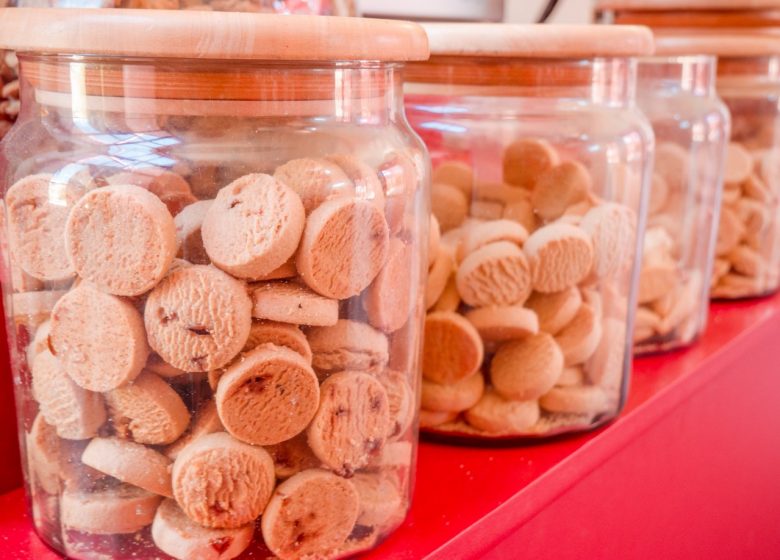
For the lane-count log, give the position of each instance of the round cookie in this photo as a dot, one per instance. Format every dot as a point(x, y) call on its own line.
point(268, 396)
point(280, 334)
point(449, 300)
point(189, 241)
point(32, 309)
point(495, 414)
point(121, 238)
point(74, 412)
point(584, 399)
point(454, 397)
point(560, 256)
point(560, 187)
point(738, 165)
point(198, 318)
point(573, 375)
point(495, 274)
point(315, 180)
point(181, 538)
point(38, 207)
point(579, 339)
point(433, 419)
point(449, 205)
point(285, 272)
point(351, 423)
point(310, 514)
point(455, 173)
point(381, 501)
point(490, 232)
point(205, 421)
point(221, 483)
point(289, 302)
point(439, 274)
point(147, 411)
point(497, 324)
point(348, 345)
point(526, 369)
point(118, 510)
point(453, 349)
point(367, 185)
point(401, 399)
point(399, 177)
point(253, 226)
point(730, 231)
point(525, 160)
point(522, 212)
point(388, 300)
point(44, 455)
point(169, 187)
point(39, 343)
point(99, 338)
point(612, 229)
point(556, 309)
point(292, 456)
point(131, 463)
point(343, 248)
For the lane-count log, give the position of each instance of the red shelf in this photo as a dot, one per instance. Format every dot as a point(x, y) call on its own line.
point(690, 470)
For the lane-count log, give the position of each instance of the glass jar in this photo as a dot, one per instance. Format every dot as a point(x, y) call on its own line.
point(217, 255)
point(540, 157)
point(691, 125)
point(9, 87)
point(299, 7)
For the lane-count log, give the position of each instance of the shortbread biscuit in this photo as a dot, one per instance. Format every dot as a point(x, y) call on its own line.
point(498, 324)
point(556, 309)
point(612, 229)
point(495, 274)
point(560, 256)
point(525, 160)
point(526, 369)
point(289, 302)
point(115, 510)
point(189, 242)
point(453, 349)
point(280, 334)
point(456, 173)
point(348, 345)
point(454, 397)
point(171, 188)
point(490, 232)
point(579, 339)
point(388, 300)
point(292, 456)
point(314, 180)
point(576, 400)
point(449, 205)
point(205, 421)
point(559, 187)
point(496, 415)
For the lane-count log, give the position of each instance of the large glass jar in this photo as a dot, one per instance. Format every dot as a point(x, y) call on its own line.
point(540, 160)
point(217, 254)
point(691, 125)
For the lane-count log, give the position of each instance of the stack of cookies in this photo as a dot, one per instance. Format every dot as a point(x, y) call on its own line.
point(9, 90)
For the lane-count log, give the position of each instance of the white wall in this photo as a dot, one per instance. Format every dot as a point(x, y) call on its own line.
point(568, 11)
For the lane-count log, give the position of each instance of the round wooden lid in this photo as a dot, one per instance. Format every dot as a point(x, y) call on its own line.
point(723, 45)
point(209, 35)
point(685, 5)
point(539, 41)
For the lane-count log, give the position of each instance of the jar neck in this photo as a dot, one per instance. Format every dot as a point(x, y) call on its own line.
point(669, 75)
point(346, 92)
point(604, 81)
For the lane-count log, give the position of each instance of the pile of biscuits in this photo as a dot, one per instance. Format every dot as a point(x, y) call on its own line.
point(9, 91)
point(526, 332)
point(192, 366)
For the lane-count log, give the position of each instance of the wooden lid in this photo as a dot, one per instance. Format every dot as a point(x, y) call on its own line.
point(539, 41)
point(685, 5)
point(209, 35)
point(719, 44)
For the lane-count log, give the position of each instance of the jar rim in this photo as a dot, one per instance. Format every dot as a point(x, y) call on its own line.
point(209, 35)
point(734, 45)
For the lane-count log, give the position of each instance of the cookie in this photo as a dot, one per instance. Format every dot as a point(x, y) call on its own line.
point(576, 400)
point(560, 187)
point(434, 238)
point(495, 274)
point(310, 514)
point(399, 178)
point(490, 232)
point(439, 275)
point(268, 396)
point(32, 309)
point(454, 397)
point(730, 231)
point(147, 411)
point(522, 212)
point(486, 210)
point(43, 448)
point(130, 462)
point(292, 456)
point(189, 242)
point(556, 309)
point(525, 160)
point(205, 421)
point(221, 483)
point(579, 339)
point(453, 349)
point(37, 210)
point(494, 414)
point(343, 248)
point(449, 300)
point(155, 364)
point(526, 369)
point(99, 338)
point(348, 345)
point(572, 376)
point(74, 412)
point(560, 256)
point(656, 279)
point(289, 302)
point(171, 188)
point(121, 238)
point(738, 165)
point(198, 318)
point(401, 400)
point(434, 419)
point(351, 423)
point(367, 185)
point(280, 334)
point(498, 324)
point(115, 510)
point(449, 205)
point(179, 537)
point(283, 272)
point(315, 180)
point(455, 173)
point(388, 300)
point(612, 229)
point(382, 505)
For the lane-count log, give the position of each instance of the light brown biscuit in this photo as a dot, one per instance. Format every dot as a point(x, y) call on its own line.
point(130, 462)
point(292, 456)
point(343, 248)
point(289, 302)
point(453, 349)
point(449, 300)
point(382, 505)
point(433, 419)
point(439, 275)
point(738, 165)
point(99, 338)
point(205, 421)
point(399, 177)
point(490, 232)
point(449, 205)
point(522, 212)
point(222, 483)
point(747, 261)
point(734, 285)
point(74, 412)
point(612, 229)
point(284, 272)
point(579, 339)
point(171, 188)
point(280, 334)
point(367, 185)
point(315, 180)
point(754, 215)
point(147, 411)
point(571, 376)
point(351, 423)
point(525, 369)
point(730, 231)
point(348, 345)
point(388, 300)
point(501, 193)
point(756, 189)
point(37, 209)
point(525, 160)
point(253, 226)
point(198, 318)
point(486, 210)
point(44, 455)
point(560, 256)
point(179, 537)
point(454, 397)
point(189, 242)
point(434, 239)
point(609, 361)
point(121, 238)
point(495, 414)
point(158, 366)
point(576, 400)
point(268, 396)
point(498, 324)
point(720, 268)
point(310, 515)
point(118, 510)
point(32, 309)
point(685, 304)
point(556, 309)
point(401, 399)
point(656, 279)
point(559, 187)
point(455, 173)
point(496, 274)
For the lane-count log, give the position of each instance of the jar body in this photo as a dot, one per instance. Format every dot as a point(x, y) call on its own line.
point(247, 253)
point(538, 190)
point(691, 128)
